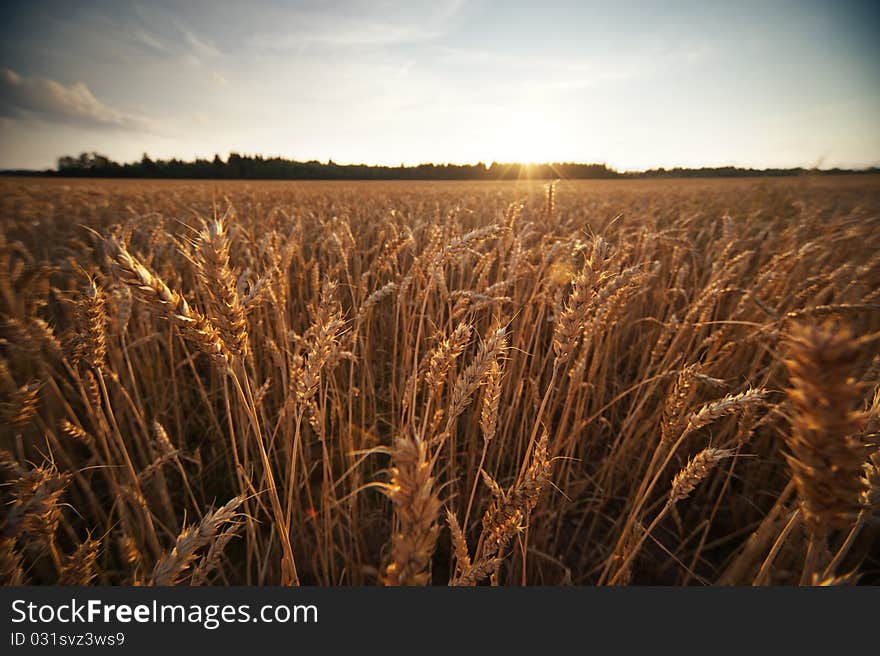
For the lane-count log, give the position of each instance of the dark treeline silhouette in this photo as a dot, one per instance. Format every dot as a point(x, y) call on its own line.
point(276, 168)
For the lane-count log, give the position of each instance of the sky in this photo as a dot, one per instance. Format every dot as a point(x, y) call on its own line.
point(632, 84)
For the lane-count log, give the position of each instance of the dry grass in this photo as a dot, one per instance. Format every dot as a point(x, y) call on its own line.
point(454, 383)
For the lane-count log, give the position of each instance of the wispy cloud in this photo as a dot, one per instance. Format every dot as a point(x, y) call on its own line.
point(356, 24)
point(159, 31)
point(53, 102)
point(548, 73)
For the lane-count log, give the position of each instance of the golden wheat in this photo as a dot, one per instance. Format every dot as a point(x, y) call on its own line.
point(601, 383)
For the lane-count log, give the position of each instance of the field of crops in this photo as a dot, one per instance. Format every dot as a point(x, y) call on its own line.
point(633, 382)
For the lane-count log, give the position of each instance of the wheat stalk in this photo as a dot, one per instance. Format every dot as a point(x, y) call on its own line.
point(171, 567)
point(416, 507)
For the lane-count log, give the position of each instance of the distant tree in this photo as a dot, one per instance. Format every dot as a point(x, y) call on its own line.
point(67, 163)
point(277, 168)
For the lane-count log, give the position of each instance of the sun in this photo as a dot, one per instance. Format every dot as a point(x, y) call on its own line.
point(528, 136)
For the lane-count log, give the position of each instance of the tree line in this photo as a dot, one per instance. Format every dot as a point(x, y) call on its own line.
point(236, 166)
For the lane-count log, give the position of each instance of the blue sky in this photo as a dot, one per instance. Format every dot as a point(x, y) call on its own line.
point(633, 84)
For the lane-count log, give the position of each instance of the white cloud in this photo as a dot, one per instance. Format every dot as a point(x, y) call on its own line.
point(53, 102)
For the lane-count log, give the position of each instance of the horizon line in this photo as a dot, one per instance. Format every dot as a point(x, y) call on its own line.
point(485, 164)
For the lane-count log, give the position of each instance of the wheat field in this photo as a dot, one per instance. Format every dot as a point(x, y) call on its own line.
point(576, 383)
